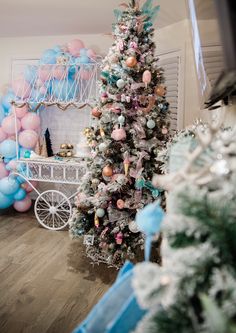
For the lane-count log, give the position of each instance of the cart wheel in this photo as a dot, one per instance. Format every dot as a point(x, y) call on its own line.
point(53, 210)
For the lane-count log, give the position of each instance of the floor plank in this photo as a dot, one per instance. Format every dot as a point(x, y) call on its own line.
point(47, 285)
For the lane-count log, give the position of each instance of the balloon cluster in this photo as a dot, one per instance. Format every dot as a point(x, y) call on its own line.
point(34, 85)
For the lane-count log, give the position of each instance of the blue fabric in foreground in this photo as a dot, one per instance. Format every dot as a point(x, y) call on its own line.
point(117, 311)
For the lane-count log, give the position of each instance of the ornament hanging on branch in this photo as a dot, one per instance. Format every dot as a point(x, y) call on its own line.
point(147, 76)
point(107, 171)
point(160, 90)
point(126, 163)
point(118, 134)
point(131, 62)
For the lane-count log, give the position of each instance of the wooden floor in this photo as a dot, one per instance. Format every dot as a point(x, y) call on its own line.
point(46, 283)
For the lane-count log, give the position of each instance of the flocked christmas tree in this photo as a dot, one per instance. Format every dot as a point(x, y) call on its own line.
point(195, 289)
point(132, 125)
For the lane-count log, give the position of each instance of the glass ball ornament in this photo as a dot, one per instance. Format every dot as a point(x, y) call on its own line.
point(151, 124)
point(102, 147)
point(121, 120)
point(120, 83)
point(100, 212)
point(133, 227)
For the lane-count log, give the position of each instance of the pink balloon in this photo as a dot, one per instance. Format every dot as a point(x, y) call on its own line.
point(43, 90)
point(3, 170)
point(74, 47)
point(8, 124)
point(28, 188)
point(59, 72)
point(85, 74)
point(91, 54)
point(28, 139)
point(21, 88)
point(3, 135)
point(44, 72)
point(21, 112)
point(30, 121)
point(23, 205)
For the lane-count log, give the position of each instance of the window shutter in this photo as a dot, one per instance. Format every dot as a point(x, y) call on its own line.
point(213, 62)
point(170, 62)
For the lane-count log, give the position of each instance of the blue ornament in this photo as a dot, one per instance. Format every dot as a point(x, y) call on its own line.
point(6, 101)
point(9, 185)
point(100, 212)
point(5, 201)
point(8, 149)
point(20, 194)
point(149, 220)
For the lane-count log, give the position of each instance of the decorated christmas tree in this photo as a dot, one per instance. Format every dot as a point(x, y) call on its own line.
point(195, 289)
point(132, 126)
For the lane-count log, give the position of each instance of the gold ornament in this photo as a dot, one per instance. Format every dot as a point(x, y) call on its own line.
point(107, 171)
point(96, 113)
point(102, 133)
point(160, 90)
point(131, 62)
point(63, 146)
point(69, 154)
point(96, 220)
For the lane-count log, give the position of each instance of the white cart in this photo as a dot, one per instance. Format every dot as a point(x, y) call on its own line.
point(53, 208)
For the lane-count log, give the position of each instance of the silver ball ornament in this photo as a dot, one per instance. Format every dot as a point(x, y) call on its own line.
point(121, 120)
point(102, 146)
point(133, 227)
point(151, 124)
point(100, 212)
point(120, 83)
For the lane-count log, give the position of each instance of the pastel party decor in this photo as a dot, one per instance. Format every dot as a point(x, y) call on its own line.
point(20, 194)
point(30, 121)
point(5, 201)
point(9, 185)
point(2, 113)
point(49, 56)
point(8, 125)
point(23, 205)
point(21, 88)
point(7, 99)
point(8, 149)
point(75, 46)
point(3, 135)
point(3, 171)
point(28, 139)
point(21, 112)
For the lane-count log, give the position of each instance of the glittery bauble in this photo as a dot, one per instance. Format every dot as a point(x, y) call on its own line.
point(164, 130)
point(151, 124)
point(160, 90)
point(133, 227)
point(100, 212)
point(120, 203)
point(131, 62)
point(107, 171)
point(102, 146)
point(118, 134)
point(96, 113)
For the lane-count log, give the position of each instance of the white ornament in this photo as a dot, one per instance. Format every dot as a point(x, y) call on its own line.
point(120, 83)
point(102, 146)
point(100, 212)
point(121, 120)
point(151, 124)
point(133, 227)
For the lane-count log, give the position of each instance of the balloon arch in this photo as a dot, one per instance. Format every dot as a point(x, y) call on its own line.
point(57, 78)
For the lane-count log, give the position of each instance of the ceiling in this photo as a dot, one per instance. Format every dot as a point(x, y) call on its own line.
point(56, 17)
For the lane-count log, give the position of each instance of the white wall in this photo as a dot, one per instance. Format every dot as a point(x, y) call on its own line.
point(176, 37)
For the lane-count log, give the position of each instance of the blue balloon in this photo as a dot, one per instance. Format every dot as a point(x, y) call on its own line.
point(2, 114)
point(83, 60)
point(20, 194)
point(5, 201)
point(49, 57)
point(8, 149)
point(6, 101)
point(30, 73)
point(20, 179)
point(57, 48)
point(9, 185)
point(72, 71)
point(64, 90)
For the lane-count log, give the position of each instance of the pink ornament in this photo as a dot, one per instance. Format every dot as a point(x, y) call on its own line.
point(21, 88)
point(59, 72)
point(28, 139)
point(21, 112)
point(118, 134)
point(85, 74)
point(3, 171)
point(23, 205)
point(30, 121)
point(147, 76)
point(133, 45)
point(74, 47)
point(44, 73)
point(8, 125)
point(119, 238)
point(120, 204)
point(3, 135)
